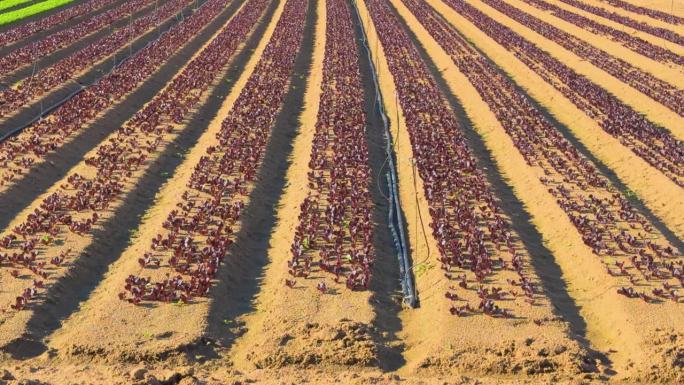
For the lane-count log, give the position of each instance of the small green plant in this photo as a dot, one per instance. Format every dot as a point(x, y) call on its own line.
point(46, 239)
point(133, 233)
point(229, 322)
point(422, 268)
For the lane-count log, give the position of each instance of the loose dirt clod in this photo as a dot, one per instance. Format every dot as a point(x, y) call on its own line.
point(6, 375)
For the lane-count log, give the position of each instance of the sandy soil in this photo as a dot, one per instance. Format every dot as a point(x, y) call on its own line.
point(50, 371)
point(252, 328)
point(461, 343)
point(95, 123)
point(82, 247)
point(671, 74)
point(666, 6)
point(163, 327)
point(641, 103)
point(12, 78)
point(623, 328)
point(39, 35)
point(302, 326)
point(640, 34)
point(55, 166)
point(18, 77)
point(660, 194)
point(641, 18)
point(41, 15)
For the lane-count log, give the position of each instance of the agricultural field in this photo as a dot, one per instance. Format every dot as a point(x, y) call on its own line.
point(16, 10)
point(341, 191)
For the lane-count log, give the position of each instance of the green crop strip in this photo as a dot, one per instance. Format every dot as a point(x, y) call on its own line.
point(12, 3)
point(31, 10)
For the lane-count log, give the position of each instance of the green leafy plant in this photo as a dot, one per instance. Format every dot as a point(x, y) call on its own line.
point(31, 10)
point(12, 3)
point(422, 268)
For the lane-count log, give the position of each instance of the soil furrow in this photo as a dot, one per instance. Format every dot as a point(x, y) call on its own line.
point(28, 55)
point(74, 68)
point(611, 321)
point(521, 222)
point(656, 191)
point(56, 164)
point(324, 319)
point(674, 35)
point(182, 332)
point(648, 45)
point(79, 278)
point(206, 197)
point(642, 85)
point(386, 288)
point(10, 79)
point(91, 76)
point(438, 340)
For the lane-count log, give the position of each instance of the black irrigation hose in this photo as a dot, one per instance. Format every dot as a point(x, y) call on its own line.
point(116, 65)
point(40, 116)
point(396, 220)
